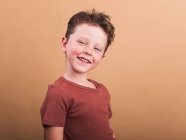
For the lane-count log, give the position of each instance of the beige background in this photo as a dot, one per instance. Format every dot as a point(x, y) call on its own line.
point(144, 70)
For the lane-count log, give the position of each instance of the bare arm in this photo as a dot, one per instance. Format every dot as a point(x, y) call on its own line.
point(53, 133)
point(113, 132)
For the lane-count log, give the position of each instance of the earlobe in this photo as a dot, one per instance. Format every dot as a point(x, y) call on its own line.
point(64, 43)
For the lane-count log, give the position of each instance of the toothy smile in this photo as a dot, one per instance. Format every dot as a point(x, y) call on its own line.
point(84, 59)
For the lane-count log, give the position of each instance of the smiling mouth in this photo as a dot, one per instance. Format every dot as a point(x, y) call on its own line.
point(84, 59)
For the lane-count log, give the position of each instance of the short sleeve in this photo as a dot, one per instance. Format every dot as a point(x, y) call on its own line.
point(53, 110)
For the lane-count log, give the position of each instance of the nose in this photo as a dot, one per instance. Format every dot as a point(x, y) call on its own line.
point(88, 50)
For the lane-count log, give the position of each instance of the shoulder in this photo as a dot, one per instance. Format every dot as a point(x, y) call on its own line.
point(58, 84)
point(56, 88)
point(58, 92)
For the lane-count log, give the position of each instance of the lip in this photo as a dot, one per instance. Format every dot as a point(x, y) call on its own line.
point(85, 60)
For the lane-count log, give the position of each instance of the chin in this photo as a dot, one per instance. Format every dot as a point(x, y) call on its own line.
point(80, 71)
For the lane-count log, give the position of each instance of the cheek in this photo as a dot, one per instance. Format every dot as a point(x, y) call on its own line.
point(97, 59)
point(74, 52)
point(72, 49)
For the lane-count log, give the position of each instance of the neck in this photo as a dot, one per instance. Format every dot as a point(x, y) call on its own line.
point(78, 78)
point(74, 76)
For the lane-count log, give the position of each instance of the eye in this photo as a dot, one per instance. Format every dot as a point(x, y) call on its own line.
point(81, 42)
point(97, 49)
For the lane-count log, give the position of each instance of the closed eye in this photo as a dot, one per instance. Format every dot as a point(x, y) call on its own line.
point(81, 42)
point(98, 49)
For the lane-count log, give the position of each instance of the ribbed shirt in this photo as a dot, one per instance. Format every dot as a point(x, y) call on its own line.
point(83, 112)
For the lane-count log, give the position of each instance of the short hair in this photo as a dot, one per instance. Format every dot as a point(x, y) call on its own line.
point(93, 18)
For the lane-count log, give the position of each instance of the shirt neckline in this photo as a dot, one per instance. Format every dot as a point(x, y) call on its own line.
point(97, 85)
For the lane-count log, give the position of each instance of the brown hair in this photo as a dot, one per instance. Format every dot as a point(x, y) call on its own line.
point(93, 18)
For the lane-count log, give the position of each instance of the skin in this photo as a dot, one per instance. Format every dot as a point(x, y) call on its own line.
point(53, 133)
point(84, 50)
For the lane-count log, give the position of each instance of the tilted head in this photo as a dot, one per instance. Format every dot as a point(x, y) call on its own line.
point(92, 18)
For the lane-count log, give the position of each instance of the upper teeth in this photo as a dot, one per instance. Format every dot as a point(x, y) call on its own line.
point(84, 60)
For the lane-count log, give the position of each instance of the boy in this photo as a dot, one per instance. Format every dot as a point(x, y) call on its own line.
point(77, 108)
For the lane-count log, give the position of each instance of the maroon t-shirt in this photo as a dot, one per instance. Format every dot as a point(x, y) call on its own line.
point(83, 112)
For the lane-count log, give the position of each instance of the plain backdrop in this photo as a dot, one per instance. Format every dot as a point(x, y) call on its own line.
point(144, 69)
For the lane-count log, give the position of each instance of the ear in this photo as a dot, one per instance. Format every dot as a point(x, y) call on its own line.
point(64, 44)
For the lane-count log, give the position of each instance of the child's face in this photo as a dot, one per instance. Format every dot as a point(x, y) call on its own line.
point(85, 48)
